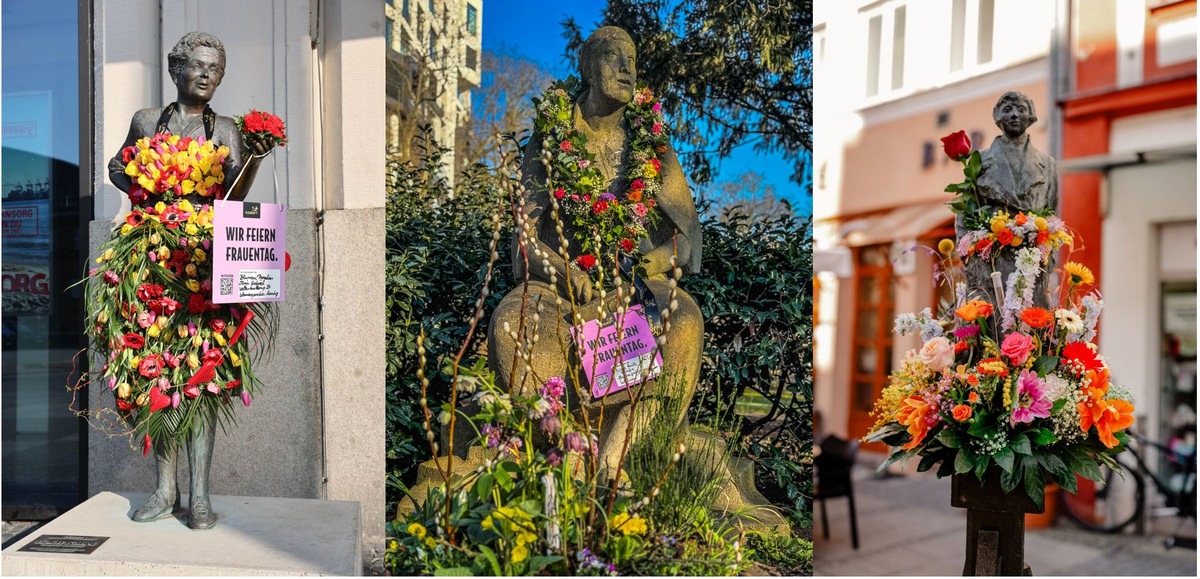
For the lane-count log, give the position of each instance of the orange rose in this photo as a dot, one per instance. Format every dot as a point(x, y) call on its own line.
point(962, 412)
point(913, 414)
point(973, 397)
point(1005, 237)
point(1021, 219)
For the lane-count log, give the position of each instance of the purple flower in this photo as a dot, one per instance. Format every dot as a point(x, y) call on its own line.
point(491, 435)
point(551, 425)
point(607, 197)
point(968, 331)
point(1032, 401)
point(554, 456)
point(574, 442)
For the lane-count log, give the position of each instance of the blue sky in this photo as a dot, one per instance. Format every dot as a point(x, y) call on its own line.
point(534, 30)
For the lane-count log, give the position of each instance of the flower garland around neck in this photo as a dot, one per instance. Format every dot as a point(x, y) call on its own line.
point(603, 221)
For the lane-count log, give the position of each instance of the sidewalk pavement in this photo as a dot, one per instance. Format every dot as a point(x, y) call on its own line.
point(906, 526)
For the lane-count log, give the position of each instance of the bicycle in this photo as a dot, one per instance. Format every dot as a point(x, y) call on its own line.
point(1119, 498)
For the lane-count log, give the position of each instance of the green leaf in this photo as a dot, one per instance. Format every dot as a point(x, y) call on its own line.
point(949, 438)
point(1020, 445)
point(483, 486)
point(452, 572)
point(1009, 479)
point(1043, 436)
point(490, 557)
point(963, 462)
point(927, 462)
point(973, 166)
point(1035, 486)
point(981, 465)
point(1045, 365)
point(1004, 459)
point(537, 563)
point(947, 467)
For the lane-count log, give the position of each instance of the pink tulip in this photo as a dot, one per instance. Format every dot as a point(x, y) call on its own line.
point(246, 398)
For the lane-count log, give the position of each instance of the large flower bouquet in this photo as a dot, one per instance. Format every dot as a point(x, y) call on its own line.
point(1009, 385)
point(605, 222)
point(168, 353)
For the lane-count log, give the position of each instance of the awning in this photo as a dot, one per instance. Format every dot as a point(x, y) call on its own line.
point(834, 259)
point(898, 224)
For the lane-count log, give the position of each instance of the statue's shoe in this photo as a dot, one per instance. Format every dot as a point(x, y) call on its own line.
point(201, 515)
point(158, 506)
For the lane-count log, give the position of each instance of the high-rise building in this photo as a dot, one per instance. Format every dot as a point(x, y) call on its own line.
point(433, 60)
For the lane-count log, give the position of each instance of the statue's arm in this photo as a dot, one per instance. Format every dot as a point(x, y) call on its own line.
point(676, 203)
point(116, 165)
point(241, 165)
point(537, 211)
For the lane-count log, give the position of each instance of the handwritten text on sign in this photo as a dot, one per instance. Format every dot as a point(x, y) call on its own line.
point(612, 361)
point(248, 252)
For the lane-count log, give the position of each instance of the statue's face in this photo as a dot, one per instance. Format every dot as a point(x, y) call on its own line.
point(1013, 118)
point(613, 70)
point(201, 75)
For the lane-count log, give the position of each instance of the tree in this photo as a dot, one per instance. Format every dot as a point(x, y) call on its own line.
point(502, 104)
point(747, 195)
point(729, 71)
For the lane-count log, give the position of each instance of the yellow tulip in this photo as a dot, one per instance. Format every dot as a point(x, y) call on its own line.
point(196, 341)
point(142, 399)
point(186, 206)
point(155, 238)
point(193, 285)
point(163, 253)
point(102, 318)
point(182, 331)
point(190, 270)
point(200, 255)
point(153, 331)
point(126, 228)
point(192, 361)
point(235, 360)
point(123, 390)
point(134, 361)
point(219, 338)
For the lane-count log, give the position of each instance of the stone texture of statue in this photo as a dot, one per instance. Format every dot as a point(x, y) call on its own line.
point(1015, 177)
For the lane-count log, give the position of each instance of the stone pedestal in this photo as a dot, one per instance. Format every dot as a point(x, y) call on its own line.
point(253, 536)
point(995, 525)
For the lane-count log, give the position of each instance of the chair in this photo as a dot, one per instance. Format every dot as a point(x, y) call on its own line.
point(832, 473)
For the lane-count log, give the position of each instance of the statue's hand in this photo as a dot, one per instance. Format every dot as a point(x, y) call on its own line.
point(581, 286)
point(259, 145)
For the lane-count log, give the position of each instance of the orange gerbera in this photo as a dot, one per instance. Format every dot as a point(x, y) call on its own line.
point(1037, 317)
point(914, 413)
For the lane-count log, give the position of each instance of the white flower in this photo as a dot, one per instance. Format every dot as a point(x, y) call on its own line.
point(1069, 321)
point(1058, 388)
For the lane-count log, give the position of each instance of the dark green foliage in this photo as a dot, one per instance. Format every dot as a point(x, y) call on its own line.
point(437, 256)
point(730, 71)
point(754, 290)
point(790, 556)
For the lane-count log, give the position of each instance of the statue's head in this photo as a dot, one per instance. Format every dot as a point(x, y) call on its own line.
point(608, 63)
point(197, 65)
point(1014, 113)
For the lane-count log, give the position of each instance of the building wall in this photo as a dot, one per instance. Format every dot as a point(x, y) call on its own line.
point(876, 153)
point(316, 430)
point(430, 40)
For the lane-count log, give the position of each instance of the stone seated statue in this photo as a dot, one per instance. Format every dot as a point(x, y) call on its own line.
point(608, 71)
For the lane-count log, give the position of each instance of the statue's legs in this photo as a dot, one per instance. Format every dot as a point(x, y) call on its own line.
point(165, 498)
point(200, 447)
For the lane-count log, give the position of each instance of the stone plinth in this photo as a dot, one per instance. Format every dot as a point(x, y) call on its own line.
point(253, 536)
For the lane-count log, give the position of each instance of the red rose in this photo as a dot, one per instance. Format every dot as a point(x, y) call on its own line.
point(134, 341)
point(558, 193)
point(627, 245)
point(586, 261)
point(217, 325)
point(151, 366)
point(1005, 237)
point(637, 185)
point(657, 164)
point(956, 145)
point(983, 245)
point(1043, 237)
point(197, 304)
point(149, 291)
point(599, 207)
point(565, 146)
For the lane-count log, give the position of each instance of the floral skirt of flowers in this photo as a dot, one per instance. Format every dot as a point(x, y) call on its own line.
point(169, 354)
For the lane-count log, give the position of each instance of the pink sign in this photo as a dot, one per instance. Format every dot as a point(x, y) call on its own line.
point(248, 252)
point(614, 361)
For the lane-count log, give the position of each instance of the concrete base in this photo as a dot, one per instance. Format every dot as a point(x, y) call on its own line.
point(253, 536)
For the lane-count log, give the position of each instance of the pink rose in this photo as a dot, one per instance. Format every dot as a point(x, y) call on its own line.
point(1016, 348)
point(937, 353)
